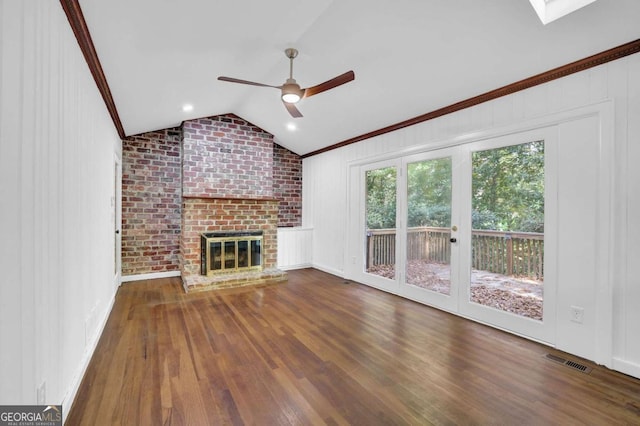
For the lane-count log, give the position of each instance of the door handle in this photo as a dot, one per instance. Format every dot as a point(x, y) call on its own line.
point(453, 240)
point(117, 231)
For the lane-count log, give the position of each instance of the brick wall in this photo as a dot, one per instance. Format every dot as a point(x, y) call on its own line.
point(287, 186)
point(151, 202)
point(225, 156)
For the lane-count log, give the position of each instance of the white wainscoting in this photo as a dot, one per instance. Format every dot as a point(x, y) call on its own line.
point(294, 248)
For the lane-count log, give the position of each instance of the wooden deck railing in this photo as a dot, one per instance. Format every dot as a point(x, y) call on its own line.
point(507, 253)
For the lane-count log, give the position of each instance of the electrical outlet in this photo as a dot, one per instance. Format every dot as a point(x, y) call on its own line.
point(577, 314)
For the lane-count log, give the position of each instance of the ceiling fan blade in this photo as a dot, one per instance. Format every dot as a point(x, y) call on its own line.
point(329, 84)
point(295, 112)
point(252, 83)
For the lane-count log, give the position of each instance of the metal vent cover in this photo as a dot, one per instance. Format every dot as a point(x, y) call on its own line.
point(571, 364)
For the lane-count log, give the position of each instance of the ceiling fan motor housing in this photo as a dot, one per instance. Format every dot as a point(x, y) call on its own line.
point(291, 53)
point(291, 91)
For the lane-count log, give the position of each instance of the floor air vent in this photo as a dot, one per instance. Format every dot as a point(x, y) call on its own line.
point(569, 363)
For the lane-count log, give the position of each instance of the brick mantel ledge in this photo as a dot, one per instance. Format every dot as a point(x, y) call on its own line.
point(228, 197)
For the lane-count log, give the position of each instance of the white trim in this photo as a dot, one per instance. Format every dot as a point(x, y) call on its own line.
point(328, 270)
point(603, 353)
point(72, 391)
point(297, 266)
point(626, 367)
point(116, 205)
point(296, 229)
point(151, 276)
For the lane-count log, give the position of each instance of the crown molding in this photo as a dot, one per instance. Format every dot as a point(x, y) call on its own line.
point(81, 31)
point(545, 77)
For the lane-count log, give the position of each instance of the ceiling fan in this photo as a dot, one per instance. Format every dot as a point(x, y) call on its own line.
point(291, 91)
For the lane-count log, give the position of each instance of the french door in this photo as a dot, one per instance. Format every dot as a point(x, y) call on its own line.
point(375, 240)
point(432, 207)
point(467, 229)
point(509, 268)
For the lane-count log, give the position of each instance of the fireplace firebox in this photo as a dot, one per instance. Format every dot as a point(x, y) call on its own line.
point(225, 252)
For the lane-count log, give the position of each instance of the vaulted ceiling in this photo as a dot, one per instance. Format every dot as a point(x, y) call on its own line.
point(409, 57)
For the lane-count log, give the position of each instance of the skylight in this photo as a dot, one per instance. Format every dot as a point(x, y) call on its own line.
point(550, 10)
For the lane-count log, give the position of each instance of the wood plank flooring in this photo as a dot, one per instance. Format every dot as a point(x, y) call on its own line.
point(315, 350)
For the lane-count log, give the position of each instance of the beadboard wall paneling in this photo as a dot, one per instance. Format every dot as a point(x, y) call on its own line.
point(294, 248)
point(628, 211)
point(58, 148)
point(325, 207)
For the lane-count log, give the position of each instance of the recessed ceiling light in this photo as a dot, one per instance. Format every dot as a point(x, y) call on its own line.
point(291, 126)
point(187, 107)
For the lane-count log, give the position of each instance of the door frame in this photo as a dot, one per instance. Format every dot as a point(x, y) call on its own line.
point(602, 323)
point(116, 205)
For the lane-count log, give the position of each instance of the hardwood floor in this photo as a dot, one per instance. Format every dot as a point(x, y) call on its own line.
point(315, 350)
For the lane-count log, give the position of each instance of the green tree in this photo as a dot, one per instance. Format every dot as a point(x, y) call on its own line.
point(507, 191)
point(381, 198)
point(429, 193)
point(508, 188)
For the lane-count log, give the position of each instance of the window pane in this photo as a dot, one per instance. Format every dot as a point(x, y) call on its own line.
point(429, 224)
point(381, 222)
point(508, 229)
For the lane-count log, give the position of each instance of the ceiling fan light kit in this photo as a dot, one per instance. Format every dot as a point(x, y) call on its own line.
point(291, 92)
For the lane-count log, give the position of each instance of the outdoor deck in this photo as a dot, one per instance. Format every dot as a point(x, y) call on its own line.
point(507, 267)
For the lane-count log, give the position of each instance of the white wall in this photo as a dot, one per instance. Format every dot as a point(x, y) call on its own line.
point(57, 151)
point(326, 178)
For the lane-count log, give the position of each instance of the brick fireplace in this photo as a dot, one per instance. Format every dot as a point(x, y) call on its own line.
point(202, 215)
point(218, 173)
point(227, 185)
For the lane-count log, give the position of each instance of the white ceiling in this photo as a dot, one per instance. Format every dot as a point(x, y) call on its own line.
point(410, 57)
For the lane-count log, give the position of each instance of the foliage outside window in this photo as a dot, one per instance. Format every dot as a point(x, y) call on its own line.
point(508, 188)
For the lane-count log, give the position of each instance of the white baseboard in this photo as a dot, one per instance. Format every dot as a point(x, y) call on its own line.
point(298, 266)
point(70, 395)
point(626, 367)
point(329, 270)
point(151, 276)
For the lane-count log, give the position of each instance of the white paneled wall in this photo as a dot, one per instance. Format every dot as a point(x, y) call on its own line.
point(325, 207)
point(294, 248)
point(57, 154)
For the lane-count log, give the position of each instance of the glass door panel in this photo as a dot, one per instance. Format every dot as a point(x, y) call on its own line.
point(255, 253)
point(243, 254)
point(428, 251)
point(230, 255)
point(507, 237)
point(380, 213)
